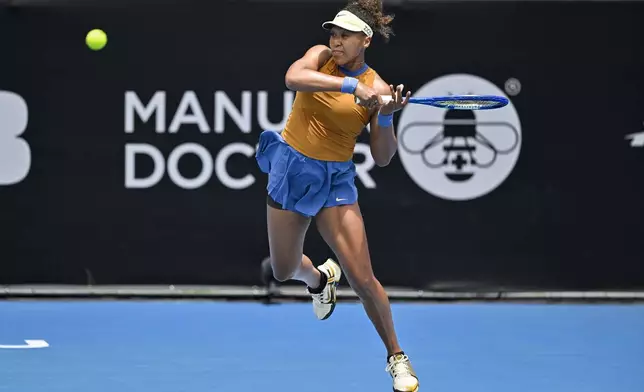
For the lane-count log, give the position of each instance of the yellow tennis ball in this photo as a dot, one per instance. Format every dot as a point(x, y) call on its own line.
point(96, 39)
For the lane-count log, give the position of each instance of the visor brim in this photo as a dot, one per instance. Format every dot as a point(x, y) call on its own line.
point(328, 25)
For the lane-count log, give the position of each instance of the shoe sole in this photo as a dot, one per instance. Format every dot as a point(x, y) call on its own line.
point(335, 283)
point(415, 390)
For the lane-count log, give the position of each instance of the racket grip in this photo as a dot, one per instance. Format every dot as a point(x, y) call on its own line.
point(385, 99)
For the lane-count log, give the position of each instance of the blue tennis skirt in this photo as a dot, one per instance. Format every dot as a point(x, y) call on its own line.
point(302, 184)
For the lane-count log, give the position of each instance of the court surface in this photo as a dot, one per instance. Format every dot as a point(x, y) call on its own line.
point(120, 346)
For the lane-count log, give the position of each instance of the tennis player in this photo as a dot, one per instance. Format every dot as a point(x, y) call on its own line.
point(311, 172)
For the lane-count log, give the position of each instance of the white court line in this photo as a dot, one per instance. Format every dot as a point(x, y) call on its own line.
point(30, 344)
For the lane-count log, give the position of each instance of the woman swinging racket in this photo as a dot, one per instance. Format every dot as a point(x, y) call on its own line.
point(311, 172)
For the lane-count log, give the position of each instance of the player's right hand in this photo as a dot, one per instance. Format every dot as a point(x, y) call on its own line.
point(368, 96)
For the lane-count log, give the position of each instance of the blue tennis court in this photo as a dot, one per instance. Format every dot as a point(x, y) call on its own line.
point(159, 346)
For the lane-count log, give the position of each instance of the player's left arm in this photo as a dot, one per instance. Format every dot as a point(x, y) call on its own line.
point(382, 139)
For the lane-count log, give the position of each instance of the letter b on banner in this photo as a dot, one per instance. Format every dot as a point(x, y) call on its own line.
point(15, 154)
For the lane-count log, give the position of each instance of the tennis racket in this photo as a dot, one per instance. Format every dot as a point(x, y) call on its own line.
point(457, 102)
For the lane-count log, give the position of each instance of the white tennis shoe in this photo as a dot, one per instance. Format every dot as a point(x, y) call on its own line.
point(403, 375)
point(324, 303)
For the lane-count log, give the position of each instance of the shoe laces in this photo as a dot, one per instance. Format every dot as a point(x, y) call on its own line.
point(399, 366)
point(318, 297)
point(322, 297)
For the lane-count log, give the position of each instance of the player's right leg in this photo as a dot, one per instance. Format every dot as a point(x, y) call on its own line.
point(290, 179)
point(286, 233)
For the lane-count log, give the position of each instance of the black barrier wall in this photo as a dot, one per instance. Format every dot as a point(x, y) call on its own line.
point(139, 158)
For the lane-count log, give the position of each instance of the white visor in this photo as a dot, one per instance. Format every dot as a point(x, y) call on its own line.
point(348, 21)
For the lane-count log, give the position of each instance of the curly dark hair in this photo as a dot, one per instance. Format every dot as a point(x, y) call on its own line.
point(370, 11)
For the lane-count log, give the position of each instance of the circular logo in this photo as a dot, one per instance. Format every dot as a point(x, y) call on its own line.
point(458, 154)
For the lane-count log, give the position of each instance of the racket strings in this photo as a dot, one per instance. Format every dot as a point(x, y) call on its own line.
point(468, 104)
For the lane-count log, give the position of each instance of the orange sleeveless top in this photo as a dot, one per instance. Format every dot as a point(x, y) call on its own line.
point(326, 125)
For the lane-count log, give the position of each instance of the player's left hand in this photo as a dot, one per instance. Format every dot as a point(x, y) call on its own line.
point(397, 102)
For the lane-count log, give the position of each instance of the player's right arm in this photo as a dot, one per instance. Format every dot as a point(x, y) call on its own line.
point(304, 75)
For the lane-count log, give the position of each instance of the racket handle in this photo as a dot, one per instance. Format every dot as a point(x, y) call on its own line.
point(385, 99)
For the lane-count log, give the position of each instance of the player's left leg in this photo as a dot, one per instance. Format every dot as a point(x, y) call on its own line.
point(342, 227)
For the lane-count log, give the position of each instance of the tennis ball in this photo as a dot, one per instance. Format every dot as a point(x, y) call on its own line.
point(96, 39)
